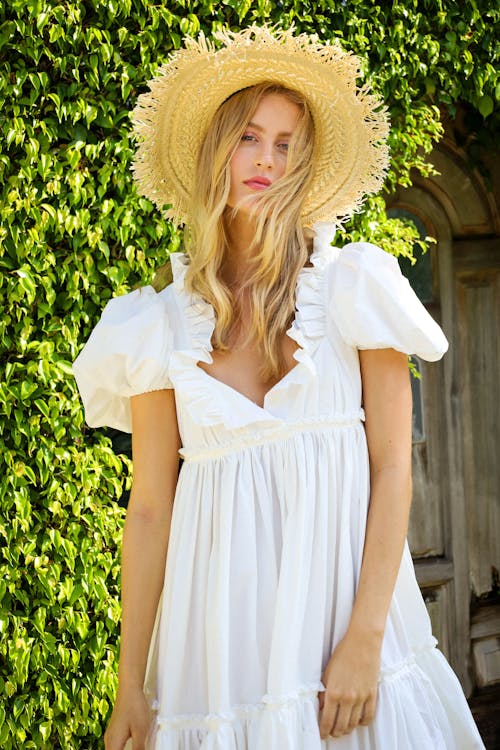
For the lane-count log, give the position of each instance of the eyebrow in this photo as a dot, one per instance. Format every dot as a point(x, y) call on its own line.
point(258, 127)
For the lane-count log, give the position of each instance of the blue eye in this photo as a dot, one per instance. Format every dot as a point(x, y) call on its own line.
point(283, 146)
point(247, 137)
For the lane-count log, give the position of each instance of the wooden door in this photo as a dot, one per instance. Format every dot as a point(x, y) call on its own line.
point(432, 532)
point(454, 530)
point(477, 283)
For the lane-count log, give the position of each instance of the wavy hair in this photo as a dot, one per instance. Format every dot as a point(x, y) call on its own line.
point(281, 245)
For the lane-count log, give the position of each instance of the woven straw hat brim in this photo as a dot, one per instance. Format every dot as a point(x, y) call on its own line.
point(172, 118)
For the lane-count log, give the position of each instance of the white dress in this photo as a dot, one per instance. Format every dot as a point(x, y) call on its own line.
point(269, 516)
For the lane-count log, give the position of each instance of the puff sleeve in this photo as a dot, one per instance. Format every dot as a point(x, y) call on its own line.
point(127, 353)
point(375, 307)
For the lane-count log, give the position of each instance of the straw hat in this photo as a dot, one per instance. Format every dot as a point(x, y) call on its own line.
point(171, 119)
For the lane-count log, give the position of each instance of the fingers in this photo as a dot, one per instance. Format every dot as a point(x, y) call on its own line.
point(327, 718)
point(117, 741)
point(341, 725)
point(339, 715)
point(136, 742)
point(125, 741)
point(355, 718)
point(369, 711)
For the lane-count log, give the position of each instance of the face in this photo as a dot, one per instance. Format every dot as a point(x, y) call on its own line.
point(260, 157)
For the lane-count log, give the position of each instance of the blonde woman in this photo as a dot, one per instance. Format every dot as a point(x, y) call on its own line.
point(268, 581)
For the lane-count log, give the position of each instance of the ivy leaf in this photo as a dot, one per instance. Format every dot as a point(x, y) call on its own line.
point(485, 105)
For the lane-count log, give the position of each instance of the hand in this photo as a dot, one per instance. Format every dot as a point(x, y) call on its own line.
point(351, 682)
point(131, 718)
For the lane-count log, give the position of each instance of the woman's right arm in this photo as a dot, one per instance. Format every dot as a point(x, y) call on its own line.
point(155, 445)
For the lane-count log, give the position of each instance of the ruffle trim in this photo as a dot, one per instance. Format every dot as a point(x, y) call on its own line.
point(187, 377)
point(309, 324)
point(242, 712)
point(199, 315)
point(207, 407)
point(203, 401)
point(287, 723)
point(410, 715)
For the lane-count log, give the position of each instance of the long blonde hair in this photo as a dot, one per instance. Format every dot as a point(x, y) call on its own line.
point(281, 244)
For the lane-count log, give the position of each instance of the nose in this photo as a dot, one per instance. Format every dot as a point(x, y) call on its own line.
point(264, 159)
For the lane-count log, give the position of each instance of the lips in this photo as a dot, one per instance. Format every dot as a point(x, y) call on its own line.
point(258, 183)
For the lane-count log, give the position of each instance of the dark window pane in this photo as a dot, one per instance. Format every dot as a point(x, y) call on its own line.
point(419, 275)
point(418, 426)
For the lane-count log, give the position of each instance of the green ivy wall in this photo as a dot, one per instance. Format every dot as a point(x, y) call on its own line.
point(73, 233)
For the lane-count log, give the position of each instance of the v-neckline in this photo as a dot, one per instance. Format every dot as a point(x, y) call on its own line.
point(289, 332)
point(276, 386)
point(306, 329)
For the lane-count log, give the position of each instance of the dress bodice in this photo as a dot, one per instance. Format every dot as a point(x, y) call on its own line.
point(349, 299)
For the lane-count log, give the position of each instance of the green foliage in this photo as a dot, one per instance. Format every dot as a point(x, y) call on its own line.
point(73, 232)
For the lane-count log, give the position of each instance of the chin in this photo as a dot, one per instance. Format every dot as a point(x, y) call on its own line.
point(244, 210)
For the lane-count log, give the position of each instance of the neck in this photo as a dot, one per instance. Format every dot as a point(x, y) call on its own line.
point(240, 234)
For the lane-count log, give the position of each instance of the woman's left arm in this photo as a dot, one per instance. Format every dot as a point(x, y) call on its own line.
point(351, 675)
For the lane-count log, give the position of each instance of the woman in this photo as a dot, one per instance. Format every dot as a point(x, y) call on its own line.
point(290, 616)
